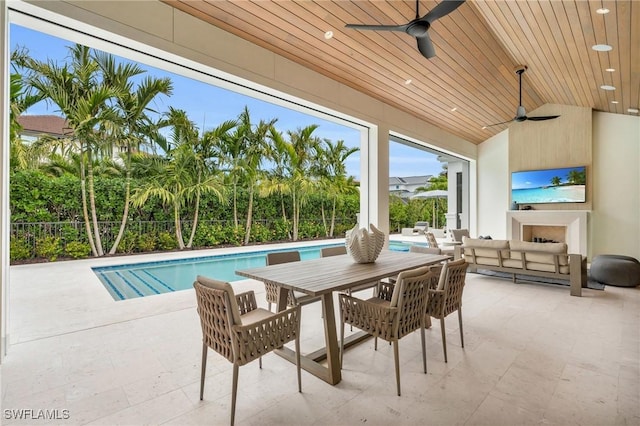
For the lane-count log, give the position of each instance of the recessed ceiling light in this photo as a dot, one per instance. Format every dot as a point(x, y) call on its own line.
point(610, 69)
point(633, 110)
point(601, 47)
point(614, 102)
point(453, 109)
point(328, 35)
point(408, 81)
point(607, 87)
point(484, 127)
point(602, 11)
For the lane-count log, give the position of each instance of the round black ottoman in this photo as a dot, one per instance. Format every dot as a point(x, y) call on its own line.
point(616, 270)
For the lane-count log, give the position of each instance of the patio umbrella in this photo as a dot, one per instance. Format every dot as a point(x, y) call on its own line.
point(434, 194)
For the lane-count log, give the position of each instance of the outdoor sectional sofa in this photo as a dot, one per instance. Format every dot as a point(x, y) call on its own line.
point(546, 260)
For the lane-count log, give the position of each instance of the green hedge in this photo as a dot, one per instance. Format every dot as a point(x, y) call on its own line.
point(46, 201)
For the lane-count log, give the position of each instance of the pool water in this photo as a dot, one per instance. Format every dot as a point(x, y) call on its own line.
point(150, 278)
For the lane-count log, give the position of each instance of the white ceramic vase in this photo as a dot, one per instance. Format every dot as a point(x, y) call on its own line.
point(364, 246)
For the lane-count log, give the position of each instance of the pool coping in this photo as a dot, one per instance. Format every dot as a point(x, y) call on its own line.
point(51, 299)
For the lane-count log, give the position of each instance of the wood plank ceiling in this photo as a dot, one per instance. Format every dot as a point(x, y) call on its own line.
point(477, 47)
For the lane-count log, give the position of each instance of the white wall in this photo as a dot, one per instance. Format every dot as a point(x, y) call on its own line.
point(615, 218)
point(493, 186)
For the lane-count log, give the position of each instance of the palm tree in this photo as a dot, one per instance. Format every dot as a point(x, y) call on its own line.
point(134, 127)
point(182, 176)
point(555, 181)
point(295, 178)
point(242, 153)
point(21, 99)
point(329, 166)
point(86, 102)
point(576, 177)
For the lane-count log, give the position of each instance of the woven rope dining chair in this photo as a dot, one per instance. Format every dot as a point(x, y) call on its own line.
point(234, 327)
point(431, 240)
point(390, 315)
point(447, 297)
point(271, 290)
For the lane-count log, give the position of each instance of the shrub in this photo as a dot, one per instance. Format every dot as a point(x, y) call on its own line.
point(260, 233)
point(77, 250)
point(147, 242)
point(207, 235)
point(308, 229)
point(166, 241)
point(48, 248)
point(19, 249)
point(281, 230)
point(128, 242)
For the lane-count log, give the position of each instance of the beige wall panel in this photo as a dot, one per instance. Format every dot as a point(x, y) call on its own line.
point(615, 221)
point(493, 186)
point(204, 38)
point(143, 15)
point(564, 142)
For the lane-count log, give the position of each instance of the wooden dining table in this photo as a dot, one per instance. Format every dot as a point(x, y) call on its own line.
point(324, 276)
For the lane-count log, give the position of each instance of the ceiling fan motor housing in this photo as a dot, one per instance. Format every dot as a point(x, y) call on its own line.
point(418, 28)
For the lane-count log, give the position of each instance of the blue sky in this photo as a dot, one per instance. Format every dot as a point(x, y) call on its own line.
point(207, 106)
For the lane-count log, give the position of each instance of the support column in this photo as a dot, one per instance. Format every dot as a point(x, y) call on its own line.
point(4, 181)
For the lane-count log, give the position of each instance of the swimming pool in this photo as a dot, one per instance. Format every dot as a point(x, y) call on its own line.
point(150, 278)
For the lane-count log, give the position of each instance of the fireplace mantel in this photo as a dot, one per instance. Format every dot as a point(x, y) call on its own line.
point(574, 220)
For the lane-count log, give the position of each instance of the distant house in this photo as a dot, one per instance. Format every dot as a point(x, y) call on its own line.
point(405, 187)
point(35, 126)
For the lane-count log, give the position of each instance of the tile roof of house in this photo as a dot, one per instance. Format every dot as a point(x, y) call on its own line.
point(44, 124)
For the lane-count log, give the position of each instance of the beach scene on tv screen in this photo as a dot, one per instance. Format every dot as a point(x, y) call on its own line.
point(565, 185)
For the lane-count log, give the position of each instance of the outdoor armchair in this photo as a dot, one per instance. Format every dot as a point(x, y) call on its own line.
point(390, 315)
point(271, 290)
point(446, 298)
point(234, 327)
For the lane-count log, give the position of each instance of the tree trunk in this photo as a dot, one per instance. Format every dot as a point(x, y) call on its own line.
point(295, 216)
point(85, 211)
point(176, 219)
point(195, 213)
point(235, 204)
point(195, 220)
point(284, 214)
point(247, 233)
point(127, 196)
point(92, 205)
point(333, 217)
point(324, 219)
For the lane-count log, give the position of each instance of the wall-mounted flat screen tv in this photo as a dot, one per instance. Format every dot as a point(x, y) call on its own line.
point(566, 185)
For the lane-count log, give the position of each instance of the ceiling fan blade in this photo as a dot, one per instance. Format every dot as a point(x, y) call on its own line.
point(442, 9)
point(542, 118)
point(418, 27)
point(401, 28)
point(498, 124)
point(425, 46)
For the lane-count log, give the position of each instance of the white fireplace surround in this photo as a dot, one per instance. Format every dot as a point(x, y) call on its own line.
point(575, 222)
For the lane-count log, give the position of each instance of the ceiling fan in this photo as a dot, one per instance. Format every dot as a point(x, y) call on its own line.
point(419, 27)
point(521, 114)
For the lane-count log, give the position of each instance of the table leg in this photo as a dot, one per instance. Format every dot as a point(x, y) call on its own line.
point(331, 372)
point(283, 296)
point(331, 339)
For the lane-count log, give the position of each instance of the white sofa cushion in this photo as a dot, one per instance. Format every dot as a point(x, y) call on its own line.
point(539, 252)
point(485, 249)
